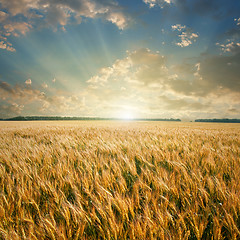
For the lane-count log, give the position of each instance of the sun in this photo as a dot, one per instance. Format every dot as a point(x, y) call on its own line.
point(126, 115)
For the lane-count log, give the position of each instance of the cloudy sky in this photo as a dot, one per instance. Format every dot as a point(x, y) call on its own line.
point(120, 58)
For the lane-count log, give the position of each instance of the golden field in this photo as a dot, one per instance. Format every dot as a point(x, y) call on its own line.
point(119, 180)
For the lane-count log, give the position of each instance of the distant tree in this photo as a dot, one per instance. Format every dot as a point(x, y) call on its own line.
point(223, 120)
point(58, 118)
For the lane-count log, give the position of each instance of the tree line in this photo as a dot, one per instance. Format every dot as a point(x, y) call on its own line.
point(58, 118)
point(217, 120)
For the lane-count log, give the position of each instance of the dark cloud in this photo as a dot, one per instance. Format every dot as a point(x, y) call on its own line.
point(14, 98)
point(184, 68)
point(233, 111)
point(6, 87)
point(182, 104)
point(212, 75)
point(10, 110)
point(201, 7)
point(144, 69)
point(151, 66)
point(214, 8)
point(19, 93)
point(221, 72)
point(146, 57)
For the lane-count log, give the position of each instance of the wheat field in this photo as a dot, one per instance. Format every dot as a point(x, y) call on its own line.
point(119, 180)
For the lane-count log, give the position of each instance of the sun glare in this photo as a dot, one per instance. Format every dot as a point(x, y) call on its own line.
point(126, 115)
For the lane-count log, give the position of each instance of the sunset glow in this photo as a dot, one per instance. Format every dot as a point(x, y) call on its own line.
point(176, 58)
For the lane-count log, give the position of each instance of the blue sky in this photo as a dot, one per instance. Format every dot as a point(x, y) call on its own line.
point(112, 58)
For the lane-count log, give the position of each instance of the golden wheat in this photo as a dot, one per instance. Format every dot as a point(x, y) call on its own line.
point(119, 180)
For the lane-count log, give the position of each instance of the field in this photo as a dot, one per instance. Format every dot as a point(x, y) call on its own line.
point(119, 180)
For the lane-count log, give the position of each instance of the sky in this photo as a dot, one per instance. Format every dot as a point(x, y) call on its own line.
point(120, 58)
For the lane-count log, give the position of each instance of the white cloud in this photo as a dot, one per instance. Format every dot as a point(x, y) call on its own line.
point(28, 82)
point(119, 71)
point(178, 27)
point(139, 79)
point(153, 3)
point(143, 82)
point(16, 28)
point(232, 43)
point(118, 18)
point(229, 47)
point(44, 85)
point(60, 12)
point(56, 14)
point(186, 36)
point(10, 27)
point(237, 20)
point(136, 81)
point(141, 67)
point(7, 46)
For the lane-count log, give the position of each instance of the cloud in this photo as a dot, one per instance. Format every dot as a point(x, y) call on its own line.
point(153, 3)
point(178, 27)
point(55, 14)
point(7, 46)
point(12, 94)
point(233, 34)
point(151, 67)
point(59, 12)
point(44, 85)
point(128, 83)
point(216, 75)
point(233, 111)
point(237, 20)
point(15, 99)
point(221, 72)
point(118, 18)
point(28, 82)
point(16, 7)
point(186, 35)
point(10, 110)
point(3, 16)
point(16, 28)
point(6, 87)
point(230, 46)
point(183, 104)
point(232, 41)
point(145, 80)
point(10, 27)
point(146, 83)
point(199, 7)
point(140, 67)
point(143, 69)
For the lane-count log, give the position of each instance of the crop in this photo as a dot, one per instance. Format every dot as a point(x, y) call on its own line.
point(119, 180)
